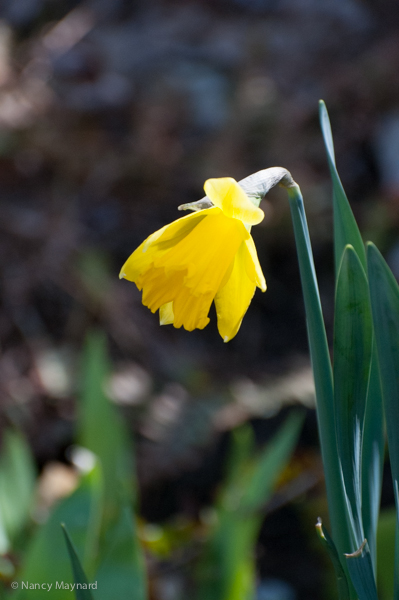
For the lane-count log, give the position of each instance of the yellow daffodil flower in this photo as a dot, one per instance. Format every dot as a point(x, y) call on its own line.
point(205, 256)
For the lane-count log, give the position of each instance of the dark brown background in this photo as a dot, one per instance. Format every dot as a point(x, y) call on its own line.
point(112, 113)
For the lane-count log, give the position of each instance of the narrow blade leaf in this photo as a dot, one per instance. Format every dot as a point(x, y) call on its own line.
point(352, 357)
point(121, 573)
point(346, 230)
point(82, 590)
point(322, 372)
point(384, 294)
point(361, 573)
point(17, 483)
point(46, 558)
point(100, 428)
point(342, 582)
point(227, 568)
point(372, 457)
point(270, 464)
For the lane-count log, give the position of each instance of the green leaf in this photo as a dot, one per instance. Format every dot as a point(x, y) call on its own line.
point(227, 569)
point(384, 294)
point(322, 373)
point(352, 358)
point(386, 552)
point(121, 573)
point(257, 489)
point(361, 572)
point(46, 559)
point(101, 429)
point(372, 457)
point(241, 450)
point(346, 230)
point(17, 484)
point(82, 589)
point(342, 582)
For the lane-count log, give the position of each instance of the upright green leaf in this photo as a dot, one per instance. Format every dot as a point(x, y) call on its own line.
point(372, 457)
point(17, 483)
point(82, 586)
point(361, 572)
point(101, 429)
point(342, 582)
point(242, 447)
point(121, 573)
point(346, 230)
point(322, 372)
point(227, 569)
point(352, 358)
point(268, 466)
point(384, 294)
point(47, 558)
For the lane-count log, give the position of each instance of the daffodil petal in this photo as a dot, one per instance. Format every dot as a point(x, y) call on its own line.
point(252, 265)
point(173, 233)
point(233, 299)
point(159, 288)
point(160, 242)
point(226, 194)
point(191, 311)
point(206, 254)
point(166, 314)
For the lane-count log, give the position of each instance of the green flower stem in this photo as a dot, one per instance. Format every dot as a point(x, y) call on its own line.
point(322, 372)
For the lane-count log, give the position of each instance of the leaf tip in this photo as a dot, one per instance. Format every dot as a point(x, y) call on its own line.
point(319, 528)
point(372, 251)
point(357, 552)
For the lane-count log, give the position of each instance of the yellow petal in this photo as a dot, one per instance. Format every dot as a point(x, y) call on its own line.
point(173, 233)
point(159, 288)
point(186, 276)
point(233, 299)
point(191, 311)
point(231, 198)
point(205, 254)
point(176, 302)
point(160, 242)
point(166, 314)
point(253, 268)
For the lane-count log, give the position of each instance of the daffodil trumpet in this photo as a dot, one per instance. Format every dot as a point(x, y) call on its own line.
point(206, 256)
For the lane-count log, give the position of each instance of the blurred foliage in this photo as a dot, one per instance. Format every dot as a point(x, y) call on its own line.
point(227, 570)
point(386, 553)
point(17, 480)
point(113, 113)
point(100, 530)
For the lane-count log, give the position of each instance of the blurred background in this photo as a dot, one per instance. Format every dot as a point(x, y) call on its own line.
point(113, 113)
